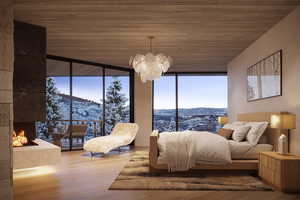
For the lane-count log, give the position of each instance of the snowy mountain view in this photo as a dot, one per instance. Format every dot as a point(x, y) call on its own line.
point(200, 99)
point(83, 109)
point(87, 108)
point(200, 119)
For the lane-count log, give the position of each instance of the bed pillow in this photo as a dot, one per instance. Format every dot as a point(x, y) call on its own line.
point(232, 126)
point(226, 133)
point(239, 131)
point(256, 131)
point(239, 134)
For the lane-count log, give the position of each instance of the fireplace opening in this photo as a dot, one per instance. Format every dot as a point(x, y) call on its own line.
point(24, 134)
point(19, 139)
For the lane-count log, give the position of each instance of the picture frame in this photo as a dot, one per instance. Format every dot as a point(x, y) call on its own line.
point(264, 79)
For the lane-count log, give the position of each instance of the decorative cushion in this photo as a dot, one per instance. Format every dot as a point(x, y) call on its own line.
point(256, 131)
point(240, 133)
point(226, 133)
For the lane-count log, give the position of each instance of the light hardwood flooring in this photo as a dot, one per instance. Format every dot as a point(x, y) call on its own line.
point(78, 177)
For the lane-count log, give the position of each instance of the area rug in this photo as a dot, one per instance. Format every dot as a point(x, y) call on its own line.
point(136, 176)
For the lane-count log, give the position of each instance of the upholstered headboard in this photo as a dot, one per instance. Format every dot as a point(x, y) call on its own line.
point(272, 135)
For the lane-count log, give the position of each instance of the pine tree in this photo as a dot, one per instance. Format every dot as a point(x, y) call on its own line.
point(52, 105)
point(171, 125)
point(115, 109)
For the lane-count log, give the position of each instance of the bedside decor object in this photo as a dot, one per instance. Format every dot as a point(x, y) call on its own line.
point(282, 144)
point(283, 121)
point(264, 78)
point(223, 120)
point(281, 171)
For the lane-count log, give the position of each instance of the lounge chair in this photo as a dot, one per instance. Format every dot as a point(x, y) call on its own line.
point(78, 131)
point(123, 134)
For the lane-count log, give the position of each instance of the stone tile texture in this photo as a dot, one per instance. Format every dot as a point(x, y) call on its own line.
point(6, 83)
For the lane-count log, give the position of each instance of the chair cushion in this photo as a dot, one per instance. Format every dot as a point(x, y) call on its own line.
point(122, 134)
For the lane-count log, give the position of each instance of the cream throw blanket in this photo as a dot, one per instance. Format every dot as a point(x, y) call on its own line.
point(184, 149)
point(180, 151)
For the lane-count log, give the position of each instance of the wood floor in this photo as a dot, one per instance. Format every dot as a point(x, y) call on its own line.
point(78, 177)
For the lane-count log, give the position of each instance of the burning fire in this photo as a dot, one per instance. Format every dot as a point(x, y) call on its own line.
point(19, 139)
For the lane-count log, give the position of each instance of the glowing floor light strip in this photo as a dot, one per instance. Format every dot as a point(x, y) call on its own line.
point(35, 171)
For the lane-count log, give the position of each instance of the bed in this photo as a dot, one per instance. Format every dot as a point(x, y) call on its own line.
point(241, 160)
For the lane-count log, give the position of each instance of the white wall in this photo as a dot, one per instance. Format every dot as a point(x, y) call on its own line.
point(286, 36)
point(143, 110)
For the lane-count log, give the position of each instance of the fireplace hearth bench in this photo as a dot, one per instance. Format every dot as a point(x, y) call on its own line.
point(42, 154)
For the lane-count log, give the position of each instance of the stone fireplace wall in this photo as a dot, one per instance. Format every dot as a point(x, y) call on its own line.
point(29, 83)
point(6, 97)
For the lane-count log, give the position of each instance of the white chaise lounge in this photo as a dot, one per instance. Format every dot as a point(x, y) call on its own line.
point(122, 134)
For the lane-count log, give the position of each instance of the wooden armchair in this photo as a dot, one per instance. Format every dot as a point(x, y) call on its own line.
point(78, 131)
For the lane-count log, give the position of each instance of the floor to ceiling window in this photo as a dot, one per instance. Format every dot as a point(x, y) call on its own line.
point(164, 104)
point(201, 99)
point(194, 101)
point(87, 92)
point(117, 98)
point(84, 100)
point(58, 104)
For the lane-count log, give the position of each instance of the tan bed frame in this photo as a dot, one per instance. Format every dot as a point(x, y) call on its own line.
point(238, 165)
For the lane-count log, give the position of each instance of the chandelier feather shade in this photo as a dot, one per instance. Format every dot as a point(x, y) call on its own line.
point(150, 66)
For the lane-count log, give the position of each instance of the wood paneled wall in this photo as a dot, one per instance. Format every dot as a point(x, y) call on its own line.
point(200, 35)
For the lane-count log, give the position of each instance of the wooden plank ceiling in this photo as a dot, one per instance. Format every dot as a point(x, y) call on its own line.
point(200, 35)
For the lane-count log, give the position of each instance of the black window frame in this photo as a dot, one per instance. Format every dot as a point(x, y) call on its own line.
point(71, 61)
point(176, 74)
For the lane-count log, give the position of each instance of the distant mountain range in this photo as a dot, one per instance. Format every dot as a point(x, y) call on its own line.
point(190, 118)
point(192, 111)
point(84, 109)
point(78, 99)
point(199, 119)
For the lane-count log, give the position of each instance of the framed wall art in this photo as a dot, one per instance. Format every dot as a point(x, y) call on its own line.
point(264, 79)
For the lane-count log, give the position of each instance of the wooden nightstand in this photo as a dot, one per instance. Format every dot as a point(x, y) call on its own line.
point(281, 171)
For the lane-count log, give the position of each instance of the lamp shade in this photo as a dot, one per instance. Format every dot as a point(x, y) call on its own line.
point(223, 120)
point(283, 121)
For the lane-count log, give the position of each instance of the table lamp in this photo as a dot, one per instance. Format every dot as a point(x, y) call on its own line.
point(283, 121)
point(223, 120)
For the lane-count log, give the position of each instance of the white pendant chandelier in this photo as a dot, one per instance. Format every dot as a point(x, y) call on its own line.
point(150, 66)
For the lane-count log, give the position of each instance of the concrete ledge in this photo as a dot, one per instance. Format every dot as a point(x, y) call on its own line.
point(34, 156)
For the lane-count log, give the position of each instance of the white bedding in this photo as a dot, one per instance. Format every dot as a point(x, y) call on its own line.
point(181, 150)
point(244, 150)
point(209, 151)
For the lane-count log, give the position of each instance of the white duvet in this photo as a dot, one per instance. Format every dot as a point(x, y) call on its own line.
point(181, 150)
